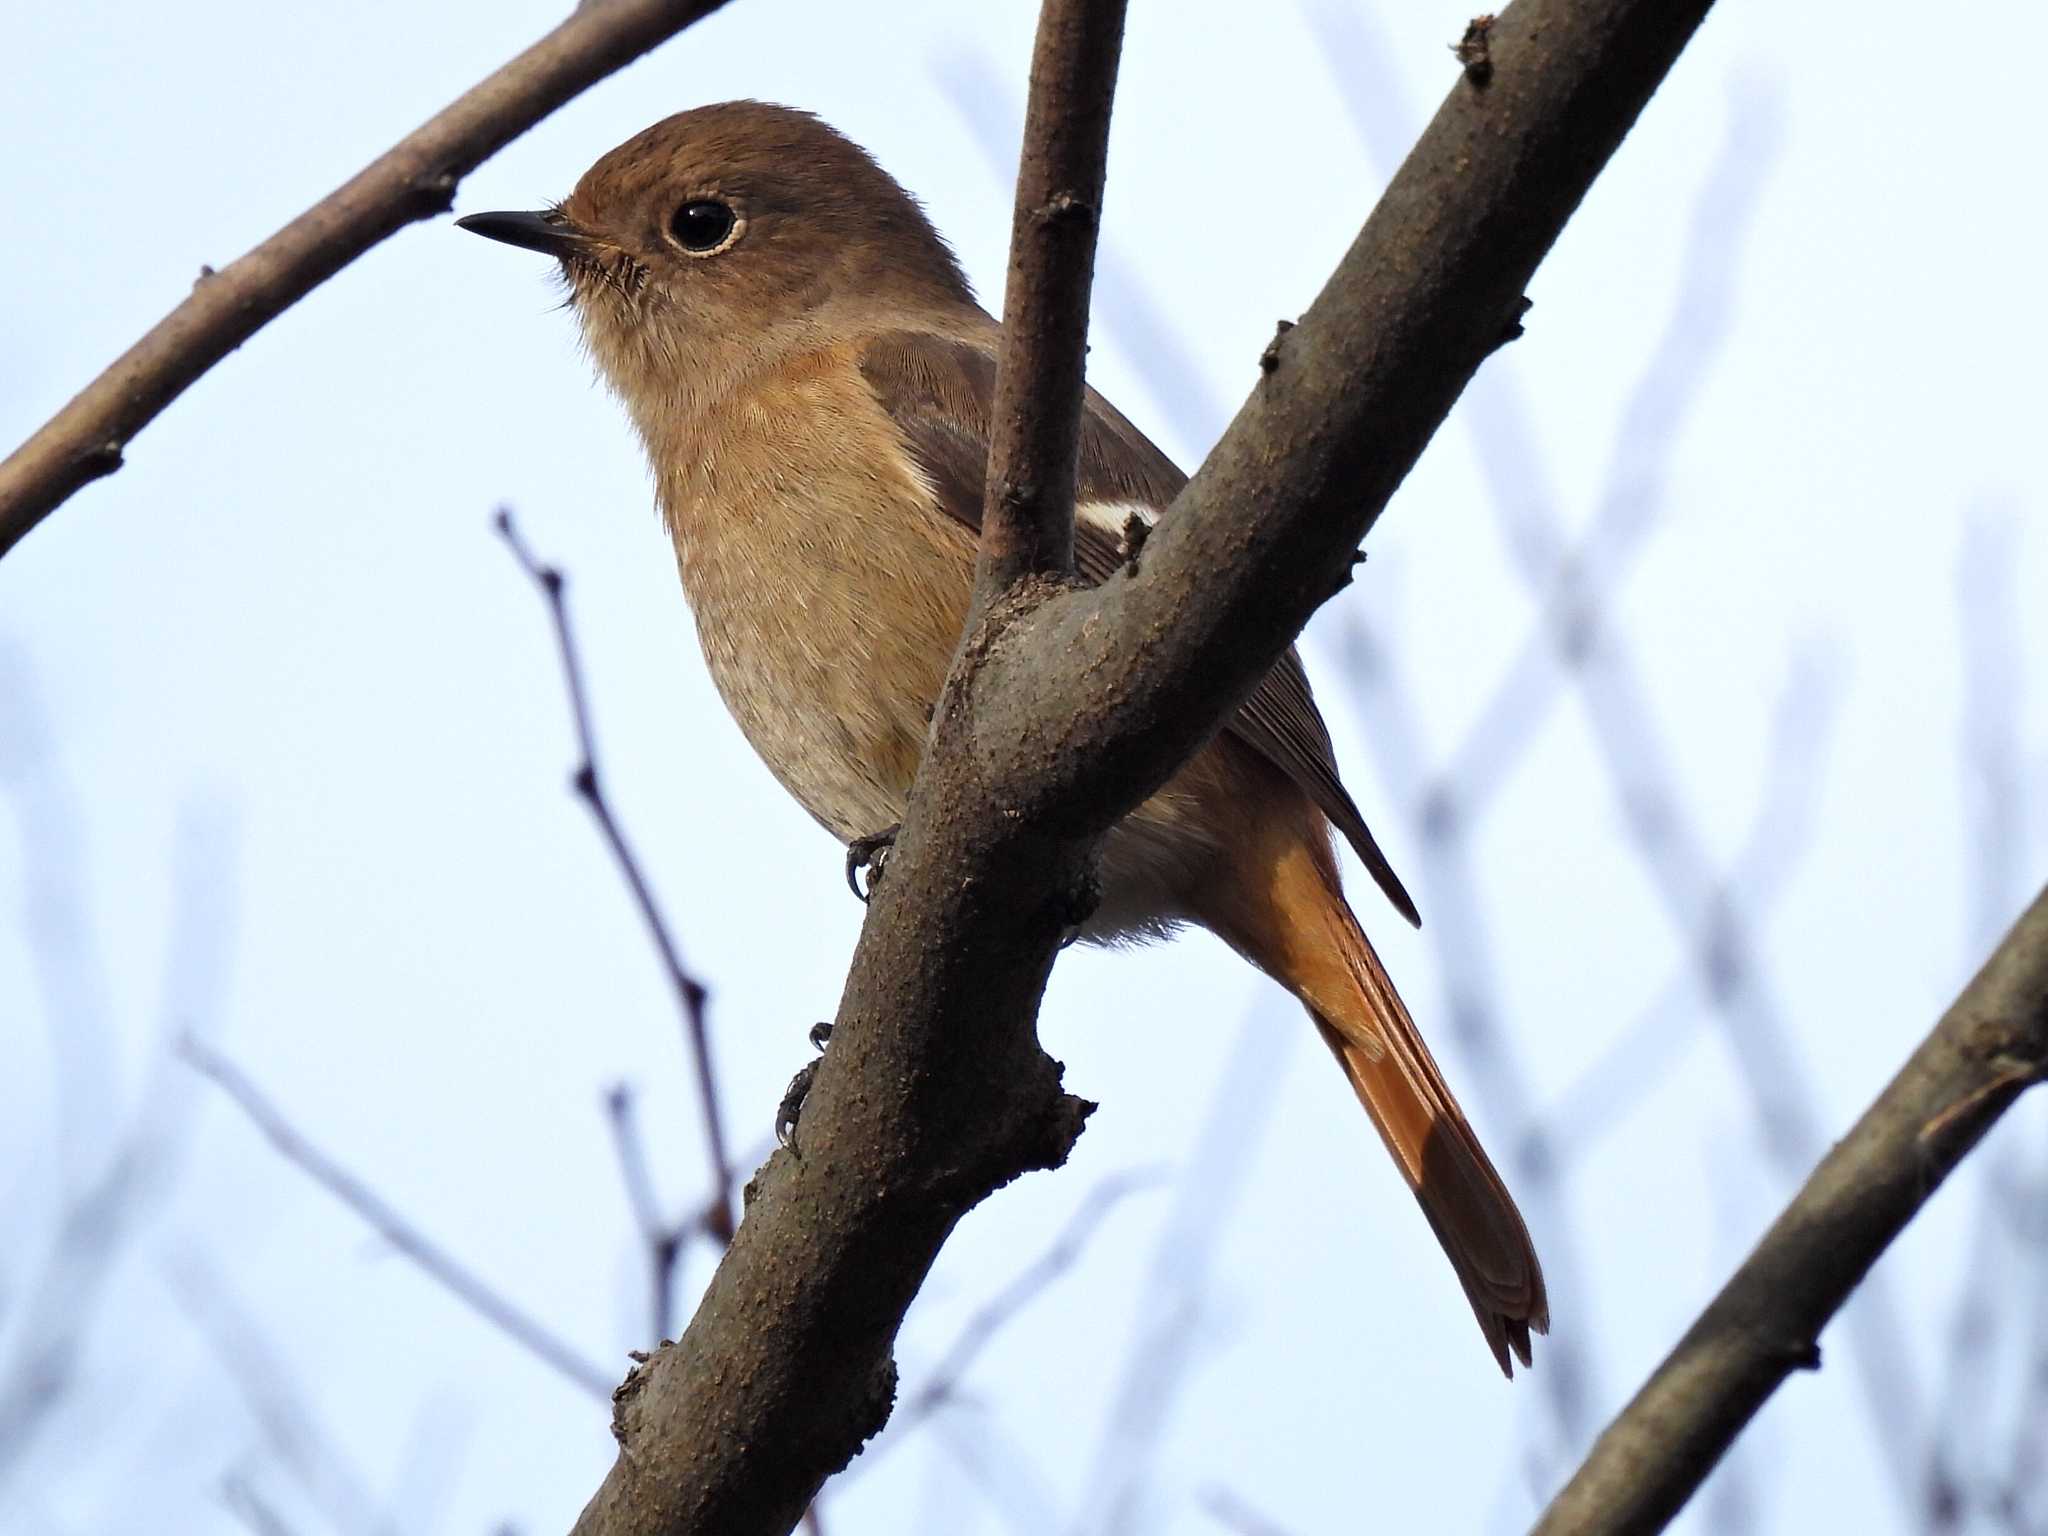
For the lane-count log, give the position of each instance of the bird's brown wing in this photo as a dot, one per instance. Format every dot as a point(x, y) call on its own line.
point(940, 392)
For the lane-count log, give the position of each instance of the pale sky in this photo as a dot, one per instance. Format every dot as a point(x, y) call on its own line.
point(285, 753)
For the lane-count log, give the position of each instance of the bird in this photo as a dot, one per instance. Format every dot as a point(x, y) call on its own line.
point(805, 364)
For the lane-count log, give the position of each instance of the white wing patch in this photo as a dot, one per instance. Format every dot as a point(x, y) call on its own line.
point(1111, 517)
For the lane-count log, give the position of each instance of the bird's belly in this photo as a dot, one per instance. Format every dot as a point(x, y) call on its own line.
point(838, 703)
point(839, 743)
point(829, 653)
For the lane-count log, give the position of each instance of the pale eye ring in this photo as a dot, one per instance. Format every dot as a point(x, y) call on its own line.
point(704, 226)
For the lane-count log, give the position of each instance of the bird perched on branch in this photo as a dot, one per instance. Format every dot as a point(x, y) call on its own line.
point(813, 380)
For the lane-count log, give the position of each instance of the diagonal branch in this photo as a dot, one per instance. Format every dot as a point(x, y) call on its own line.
point(988, 1319)
point(1990, 1046)
point(1062, 713)
point(661, 1238)
point(274, 1402)
point(401, 1234)
point(414, 179)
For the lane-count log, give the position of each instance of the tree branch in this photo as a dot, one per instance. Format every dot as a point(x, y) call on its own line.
point(1989, 1046)
point(661, 1238)
point(415, 179)
point(690, 992)
point(943, 1385)
point(1027, 525)
point(1063, 712)
point(401, 1234)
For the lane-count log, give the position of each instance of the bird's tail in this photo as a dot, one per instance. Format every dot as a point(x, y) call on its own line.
point(1308, 940)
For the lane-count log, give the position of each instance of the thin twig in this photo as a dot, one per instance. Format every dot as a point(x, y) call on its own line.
point(1124, 302)
point(287, 1424)
point(662, 1239)
point(415, 179)
point(1231, 1512)
point(1027, 523)
point(989, 1319)
point(690, 993)
point(1999, 1298)
point(110, 1174)
point(1175, 1298)
point(1988, 609)
point(408, 1239)
point(1980, 1330)
point(1782, 830)
point(941, 1388)
point(239, 1497)
point(1569, 578)
point(1767, 1320)
point(2024, 1484)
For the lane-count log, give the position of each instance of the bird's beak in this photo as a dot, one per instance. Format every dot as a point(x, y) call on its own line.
point(548, 232)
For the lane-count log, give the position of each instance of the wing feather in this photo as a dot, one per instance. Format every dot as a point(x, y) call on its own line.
point(940, 392)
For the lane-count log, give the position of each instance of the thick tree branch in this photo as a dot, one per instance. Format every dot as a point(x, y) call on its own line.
point(415, 179)
point(1990, 1046)
point(1035, 449)
point(1061, 715)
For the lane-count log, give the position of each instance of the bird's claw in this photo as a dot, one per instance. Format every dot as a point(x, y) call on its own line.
point(870, 853)
point(792, 1106)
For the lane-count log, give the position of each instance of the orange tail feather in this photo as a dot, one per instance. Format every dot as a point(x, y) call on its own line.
point(1303, 934)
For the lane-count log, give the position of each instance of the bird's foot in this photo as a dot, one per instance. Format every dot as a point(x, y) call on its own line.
point(792, 1106)
point(870, 853)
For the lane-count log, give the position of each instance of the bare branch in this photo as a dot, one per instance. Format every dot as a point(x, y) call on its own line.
point(1988, 609)
point(1780, 833)
point(112, 1173)
point(1989, 1046)
point(1027, 519)
point(392, 1227)
point(1024, 1288)
point(241, 1499)
point(277, 1407)
point(415, 179)
point(2024, 1485)
point(1175, 1300)
point(1232, 1513)
point(662, 1239)
point(690, 993)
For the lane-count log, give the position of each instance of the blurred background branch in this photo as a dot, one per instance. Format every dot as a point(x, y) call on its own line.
point(1989, 1047)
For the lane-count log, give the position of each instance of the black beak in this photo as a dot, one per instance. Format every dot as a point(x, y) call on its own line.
point(549, 233)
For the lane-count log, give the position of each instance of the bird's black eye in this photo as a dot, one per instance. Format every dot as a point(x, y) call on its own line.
point(701, 227)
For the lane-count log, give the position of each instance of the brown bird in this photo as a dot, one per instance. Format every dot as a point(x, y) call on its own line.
point(812, 379)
